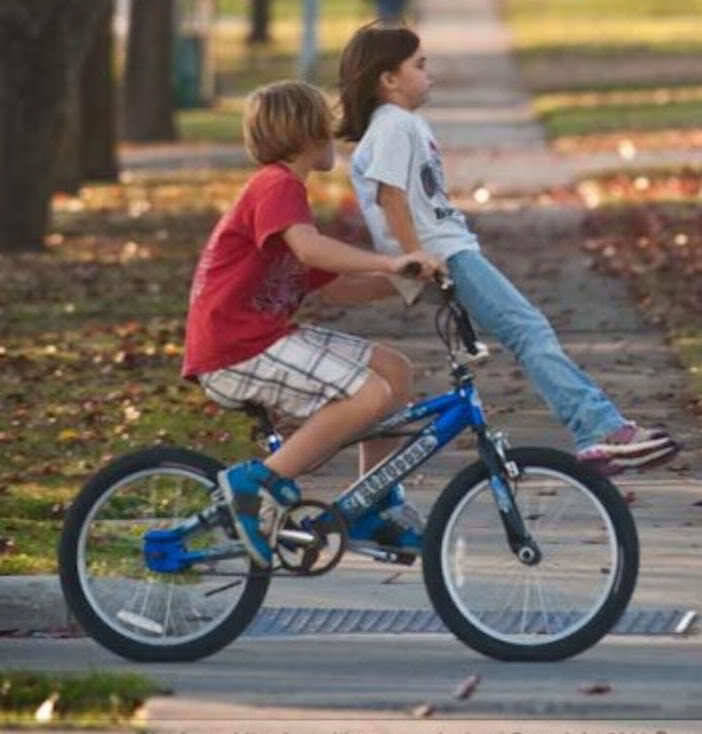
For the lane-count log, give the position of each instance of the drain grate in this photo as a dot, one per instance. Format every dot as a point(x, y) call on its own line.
point(275, 621)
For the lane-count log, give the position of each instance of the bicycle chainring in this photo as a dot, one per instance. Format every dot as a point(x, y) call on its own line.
point(326, 524)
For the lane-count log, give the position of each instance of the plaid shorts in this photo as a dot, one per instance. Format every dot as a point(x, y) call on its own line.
point(297, 375)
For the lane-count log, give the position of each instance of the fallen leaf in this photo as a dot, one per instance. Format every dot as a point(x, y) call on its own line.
point(466, 688)
point(423, 711)
point(595, 689)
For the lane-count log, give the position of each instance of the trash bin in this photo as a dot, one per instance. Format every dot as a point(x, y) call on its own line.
point(187, 71)
point(192, 65)
point(390, 9)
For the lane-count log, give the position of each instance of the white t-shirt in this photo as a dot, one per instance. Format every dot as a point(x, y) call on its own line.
point(399, 149)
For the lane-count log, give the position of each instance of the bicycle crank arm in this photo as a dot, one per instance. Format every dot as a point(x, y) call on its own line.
point(296, 537)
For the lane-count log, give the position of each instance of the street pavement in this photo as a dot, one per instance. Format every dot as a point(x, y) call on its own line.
point(375, 683)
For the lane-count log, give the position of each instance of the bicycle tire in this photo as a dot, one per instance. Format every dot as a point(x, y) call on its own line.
point(91, 592)
point(466, 612)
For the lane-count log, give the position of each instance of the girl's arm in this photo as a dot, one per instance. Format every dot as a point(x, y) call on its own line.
point(397, 212)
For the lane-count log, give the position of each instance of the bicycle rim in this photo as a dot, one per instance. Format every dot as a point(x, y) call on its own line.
point(552, 600)
point(147, 607)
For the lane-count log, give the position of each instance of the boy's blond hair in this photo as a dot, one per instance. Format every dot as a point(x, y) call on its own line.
point(284, 118)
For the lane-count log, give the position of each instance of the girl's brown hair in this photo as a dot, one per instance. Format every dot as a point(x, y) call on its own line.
point(283, 118)
point(372, 50)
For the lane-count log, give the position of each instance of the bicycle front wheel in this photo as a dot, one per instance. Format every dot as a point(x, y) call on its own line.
point(556, 608)
point(174, 614)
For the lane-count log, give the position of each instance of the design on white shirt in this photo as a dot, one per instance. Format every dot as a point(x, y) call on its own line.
point(398, 149)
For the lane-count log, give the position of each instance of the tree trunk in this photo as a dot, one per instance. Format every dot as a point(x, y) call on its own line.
point(148, 93)
point(68, 170)
point(98, 123)
point(42, 45)
point(260, 21)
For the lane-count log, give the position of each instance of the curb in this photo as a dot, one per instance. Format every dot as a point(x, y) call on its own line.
point(32, 604)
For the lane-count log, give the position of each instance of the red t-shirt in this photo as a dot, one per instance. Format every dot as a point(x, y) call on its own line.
point(248, 282)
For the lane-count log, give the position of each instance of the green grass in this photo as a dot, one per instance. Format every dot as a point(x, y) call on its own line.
point(91, 344)
point(98, 699)
point(601, 25)
point(645, 51)
point(291, 9)
point(688, 344)
point(240, 66)
point(566, 121)
point(95, 326)
point(219, 124)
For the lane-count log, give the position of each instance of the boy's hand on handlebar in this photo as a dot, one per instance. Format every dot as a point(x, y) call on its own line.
point(418, 265)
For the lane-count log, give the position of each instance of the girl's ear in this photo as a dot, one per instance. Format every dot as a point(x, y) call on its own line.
point(386, 81)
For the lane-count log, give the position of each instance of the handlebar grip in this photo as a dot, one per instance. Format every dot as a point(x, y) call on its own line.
point(411, 270)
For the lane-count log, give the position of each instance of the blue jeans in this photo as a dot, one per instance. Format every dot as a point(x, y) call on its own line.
point(499, 308)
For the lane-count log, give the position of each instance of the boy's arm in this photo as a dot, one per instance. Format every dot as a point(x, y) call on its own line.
point(348, 290)
point(316, 250)
point(393, 201)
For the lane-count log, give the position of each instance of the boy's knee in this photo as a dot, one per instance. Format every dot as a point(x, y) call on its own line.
point(397, 369)
point(377, 396)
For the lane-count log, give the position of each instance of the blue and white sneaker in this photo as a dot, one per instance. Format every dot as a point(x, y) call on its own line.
point(394, 525)
point(243, 485)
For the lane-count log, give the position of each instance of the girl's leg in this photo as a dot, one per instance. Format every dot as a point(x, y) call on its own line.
point(499, 308)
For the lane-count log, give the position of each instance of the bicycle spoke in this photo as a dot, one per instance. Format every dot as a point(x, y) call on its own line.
point(512, 601)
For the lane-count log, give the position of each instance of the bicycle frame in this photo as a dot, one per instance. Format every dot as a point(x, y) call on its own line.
point(454, 411)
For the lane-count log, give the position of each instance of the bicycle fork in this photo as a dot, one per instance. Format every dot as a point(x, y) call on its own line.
point(491, 447)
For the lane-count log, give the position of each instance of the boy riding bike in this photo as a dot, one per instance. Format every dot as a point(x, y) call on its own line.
point(262, 258)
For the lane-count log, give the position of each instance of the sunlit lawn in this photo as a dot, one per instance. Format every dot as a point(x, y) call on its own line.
point(240, 67)
point(91, 344)
point(641, 52)
point(606, 25)
point(98, 700)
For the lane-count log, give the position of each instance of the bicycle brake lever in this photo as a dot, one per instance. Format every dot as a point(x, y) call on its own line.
point(481, 353)
point(444, 282)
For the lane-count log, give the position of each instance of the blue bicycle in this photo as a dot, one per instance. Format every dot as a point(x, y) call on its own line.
point(528, 555)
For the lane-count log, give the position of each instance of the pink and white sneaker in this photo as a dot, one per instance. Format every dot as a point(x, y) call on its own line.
point(630, 447)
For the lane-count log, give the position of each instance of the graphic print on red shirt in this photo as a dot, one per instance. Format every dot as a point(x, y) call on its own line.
point(248, 282)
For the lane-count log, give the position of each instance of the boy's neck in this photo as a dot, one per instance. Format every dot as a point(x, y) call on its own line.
point(299, 166)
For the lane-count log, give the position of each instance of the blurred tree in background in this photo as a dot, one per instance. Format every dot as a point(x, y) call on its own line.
point(148, 94)
point(43, 44)
point(260, 21)
point(88, 147)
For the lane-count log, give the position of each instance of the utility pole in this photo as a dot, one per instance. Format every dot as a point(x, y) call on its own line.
point(307, 63)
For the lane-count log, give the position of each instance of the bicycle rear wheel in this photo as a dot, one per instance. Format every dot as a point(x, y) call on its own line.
point(124, 604)
point(548, 611)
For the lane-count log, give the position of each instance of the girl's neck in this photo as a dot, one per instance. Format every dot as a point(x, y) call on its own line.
point(393, 99)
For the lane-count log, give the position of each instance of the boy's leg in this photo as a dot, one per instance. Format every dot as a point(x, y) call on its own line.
point(393, 522)
point(304, 376)
point(320, 436)
point(323, 433)
point(397, 370)
point(498, 307)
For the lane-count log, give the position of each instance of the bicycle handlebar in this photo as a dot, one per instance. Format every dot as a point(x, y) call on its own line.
point(477, 351)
